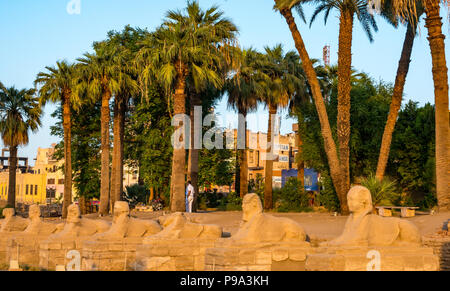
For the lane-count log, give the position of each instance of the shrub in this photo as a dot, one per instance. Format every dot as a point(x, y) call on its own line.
point(136, 194)
point(292, 197)
point(383, 193)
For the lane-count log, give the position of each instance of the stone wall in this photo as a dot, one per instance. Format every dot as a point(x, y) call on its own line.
point(262, 257)
point(441, 247)
point(116, 255)
point(358, 259)
point(54, 253)
point(24, 249)
point(173, 254)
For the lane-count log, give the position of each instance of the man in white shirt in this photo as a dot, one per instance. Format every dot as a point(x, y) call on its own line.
point(190, 196)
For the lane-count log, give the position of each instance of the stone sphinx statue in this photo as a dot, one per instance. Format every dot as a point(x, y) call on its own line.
point(76, 226)
point(12, 223)
point(257, 227)
point(176, 226)
point(36, 225)
point(124, 226)
point(366, 229)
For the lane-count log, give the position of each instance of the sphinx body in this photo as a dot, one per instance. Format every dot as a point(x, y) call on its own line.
point(124, 226)
point(12, 223)
point(36, 225)
point(76, 226)
point(366, 229)
point(176, 226)
point(258, 227)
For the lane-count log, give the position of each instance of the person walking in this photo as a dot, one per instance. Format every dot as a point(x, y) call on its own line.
point(190, 191)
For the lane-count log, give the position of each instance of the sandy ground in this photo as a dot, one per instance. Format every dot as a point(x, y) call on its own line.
point(319, 226)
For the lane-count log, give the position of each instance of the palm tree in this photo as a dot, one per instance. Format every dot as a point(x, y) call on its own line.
point(282, 70)
point(285, 8)
point(101, 73)
point(187, 45)
point(433, 22)
point(402, 72)
point(347, 10)
point(125, 46)
point(57, 84)
point(20, 113)
point(244, 88)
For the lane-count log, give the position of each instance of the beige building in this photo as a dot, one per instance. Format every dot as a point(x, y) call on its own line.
point(285, 149)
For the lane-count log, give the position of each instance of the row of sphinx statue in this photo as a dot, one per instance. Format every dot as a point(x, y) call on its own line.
point(363, 228)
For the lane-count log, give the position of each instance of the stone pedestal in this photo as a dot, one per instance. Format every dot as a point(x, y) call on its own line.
point(54, 253)
point(257, 257)
point(113, 255)
point(173, 254)
point(441, 247)
point(25, 249)
point(366, 258)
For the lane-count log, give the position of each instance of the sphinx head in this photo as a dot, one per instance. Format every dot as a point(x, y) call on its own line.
point(121, 209)
point(8, 212)
point(34, 212)
point(251, 206)
point(359, 200)
point(73, 214)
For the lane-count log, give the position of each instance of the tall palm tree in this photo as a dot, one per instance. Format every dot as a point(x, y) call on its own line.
point(433, 22)
point(285, 8)
point(397, 96)
point(282, 70)
point(124, 45)
point(102, 79)
point(347, 10)
point(20, 113)
point(339, 164)
point(189, 43)
point(245, 88)
point(57, 84)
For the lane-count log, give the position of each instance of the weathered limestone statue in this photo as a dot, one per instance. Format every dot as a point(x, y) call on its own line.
point(76, 226)
point(258, 227)
point(37, 226)
point(176, 226)
point(12, 223)
point(124, 226)
point(366, 229)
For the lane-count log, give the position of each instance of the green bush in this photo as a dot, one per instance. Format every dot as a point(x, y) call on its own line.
point(292, 197)
point(327, 195)
point(232, 202)
point(384, 193)
point(136, 194)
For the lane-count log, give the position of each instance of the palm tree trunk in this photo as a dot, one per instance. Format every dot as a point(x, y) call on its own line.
point(402, 72)
point(330, 145)
point(268, 188)
point(193, 167)
point(243, 161)
point(12, 176)
point(436, 40)
point(67, 126)
point(117, 158)
point(299, 158)
point(179, 154)
point(344, 88)
point(105, 159)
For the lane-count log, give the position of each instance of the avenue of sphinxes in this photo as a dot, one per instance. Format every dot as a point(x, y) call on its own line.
point(179, 242)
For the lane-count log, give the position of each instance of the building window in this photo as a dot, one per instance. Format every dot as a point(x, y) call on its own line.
point(31, 189)
point(61, 181)
point(51, 181)
point(51, 193)
point(35, 189)
point(26, 189)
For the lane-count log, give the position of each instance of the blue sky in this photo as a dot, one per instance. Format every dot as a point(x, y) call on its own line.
point(36, 34)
